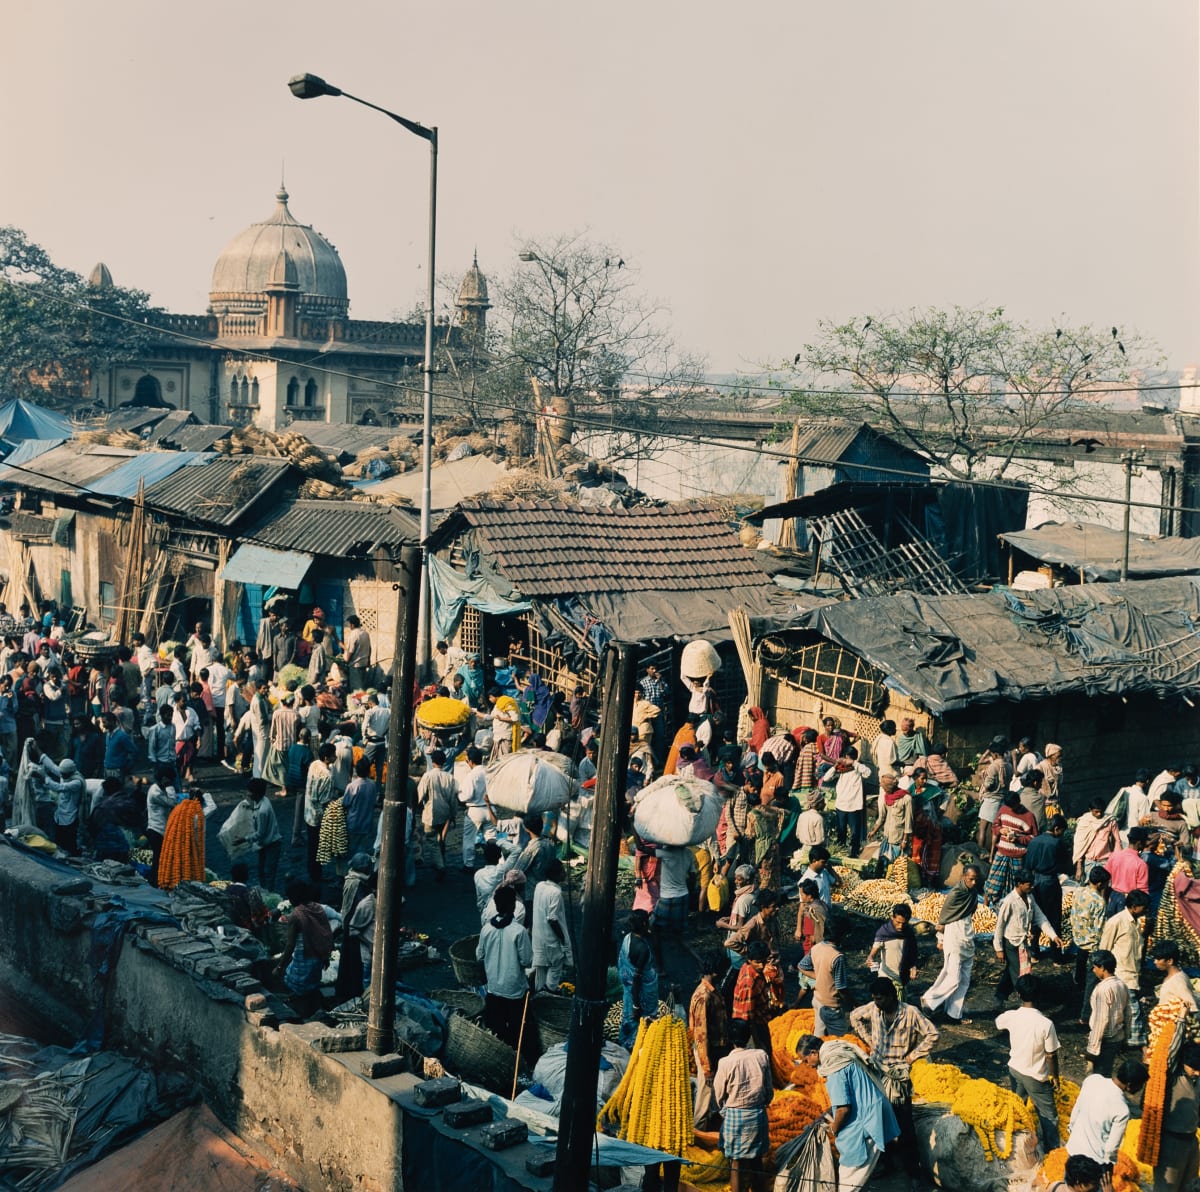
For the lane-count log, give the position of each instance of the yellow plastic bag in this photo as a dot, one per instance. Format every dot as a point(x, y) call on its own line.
point(719, 895)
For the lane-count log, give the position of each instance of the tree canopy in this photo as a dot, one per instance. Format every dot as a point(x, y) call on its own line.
point(966, 388)
point(55, 329)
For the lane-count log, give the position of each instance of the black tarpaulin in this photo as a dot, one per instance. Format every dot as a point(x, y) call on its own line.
point(1098, 551)
point(952, 652)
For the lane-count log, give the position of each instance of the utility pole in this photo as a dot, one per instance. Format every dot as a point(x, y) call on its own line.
point(381, 1012)
point(577, 1119)
point(1128, 459)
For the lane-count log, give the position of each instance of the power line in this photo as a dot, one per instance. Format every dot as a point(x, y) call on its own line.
point(601, 424)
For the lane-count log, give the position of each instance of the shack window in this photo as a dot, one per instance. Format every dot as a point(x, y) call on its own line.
point(108, 601)
point(824, 668)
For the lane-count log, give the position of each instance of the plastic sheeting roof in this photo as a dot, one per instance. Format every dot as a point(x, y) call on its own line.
point(252, 564)
point(150, 467)
point(1097, 551)
point(29, 450)
point(21, 420)
point(953, 652)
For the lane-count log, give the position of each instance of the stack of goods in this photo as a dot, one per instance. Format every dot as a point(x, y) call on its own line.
point(983, 922)
point(850, 880)
point(676, 810)
point(905, 873)
point(441, 712)
point(652, 1106)
point(875, 898)
point(1068, 897)
point(929, 907)
point(995, 1114)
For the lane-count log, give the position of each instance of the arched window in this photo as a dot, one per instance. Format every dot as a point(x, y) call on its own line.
point(293, 392)
point(235, 390)
point(253, 391)
point(148, 392)
point(310, 394)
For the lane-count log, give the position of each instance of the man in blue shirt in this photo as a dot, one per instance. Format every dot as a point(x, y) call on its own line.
point(863, 1121)
point(120, 753)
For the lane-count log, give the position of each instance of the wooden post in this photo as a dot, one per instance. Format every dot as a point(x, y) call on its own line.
point(577, 1119)
point(381, 1012)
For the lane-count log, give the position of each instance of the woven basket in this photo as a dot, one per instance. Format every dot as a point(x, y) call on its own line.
point(467, 969)
point(461, 1000)
point(475, 1054)
point(551, 1014)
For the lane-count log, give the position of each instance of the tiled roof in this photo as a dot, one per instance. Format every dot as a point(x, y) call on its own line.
point(220, 491)
point(321, 527)
point(547, 549)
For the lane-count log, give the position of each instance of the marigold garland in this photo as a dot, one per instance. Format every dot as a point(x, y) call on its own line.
point(1164, 1021)
point(182, 856)
point(995, 1114)
point(652, 1105)
point(790, 1113)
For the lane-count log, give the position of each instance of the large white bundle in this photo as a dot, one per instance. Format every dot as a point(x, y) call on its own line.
point(530, 780)
point(675, 810)
point(698, 660)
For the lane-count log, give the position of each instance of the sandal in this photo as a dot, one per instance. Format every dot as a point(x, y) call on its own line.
point(964, 1021)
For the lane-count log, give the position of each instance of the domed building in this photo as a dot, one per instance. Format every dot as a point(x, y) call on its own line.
point(277, 345)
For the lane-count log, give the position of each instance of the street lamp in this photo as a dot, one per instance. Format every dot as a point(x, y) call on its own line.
point(412, 599)
point(310, 86)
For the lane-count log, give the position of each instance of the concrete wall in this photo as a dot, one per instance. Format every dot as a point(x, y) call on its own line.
point(312, 1113)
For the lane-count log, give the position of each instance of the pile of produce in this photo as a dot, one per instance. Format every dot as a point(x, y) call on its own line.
point(652, 1106)
point(929, 907)
point(850, 881)
point(995, 1114)
point(875, 898)
point(984, 920)
point(1068, 897)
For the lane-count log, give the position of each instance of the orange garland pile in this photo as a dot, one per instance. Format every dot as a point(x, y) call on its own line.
point(182, 856)
point(1163, 1020)
point(790, 1113)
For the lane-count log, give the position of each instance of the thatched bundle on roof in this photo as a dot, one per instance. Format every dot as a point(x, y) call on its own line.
point(112, 438)
point(524, 485)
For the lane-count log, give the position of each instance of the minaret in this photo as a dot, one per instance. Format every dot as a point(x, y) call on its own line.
point(472, 305)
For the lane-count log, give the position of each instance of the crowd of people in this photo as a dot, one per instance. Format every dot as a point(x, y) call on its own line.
point(100, 750)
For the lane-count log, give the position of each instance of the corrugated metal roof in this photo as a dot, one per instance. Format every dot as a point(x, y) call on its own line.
point(70, 469)
point(826, 443)
point(148, 467)
point(336, 527)
point(253, 564)
point(196, 437)
point(339, 437)
point(219, 491)
point(554, 548)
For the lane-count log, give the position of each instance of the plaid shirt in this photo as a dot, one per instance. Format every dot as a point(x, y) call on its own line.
point(709, 1026)
point(1088, 913)
point(806, 768)
point(654, 689)
point(908, 1038)
point(750, 996)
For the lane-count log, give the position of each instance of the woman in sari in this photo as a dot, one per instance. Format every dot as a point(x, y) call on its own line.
point(760, 728)
point(685, 736)
point(764, 824)
point(927, 841)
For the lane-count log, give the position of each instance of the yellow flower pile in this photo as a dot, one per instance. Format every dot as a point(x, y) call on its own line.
point(1064, 1101)
point(652, 1105)
point(995, 1114)
point(704, 1167)
point(442, 712)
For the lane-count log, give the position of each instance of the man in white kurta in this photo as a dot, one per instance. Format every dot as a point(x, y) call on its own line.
point(551, 931)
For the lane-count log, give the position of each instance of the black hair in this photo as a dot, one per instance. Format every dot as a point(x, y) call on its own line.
point(505, 899)
point(1137, 898)
point(1027, 987)
point(491, 852)
point(1133, 1074)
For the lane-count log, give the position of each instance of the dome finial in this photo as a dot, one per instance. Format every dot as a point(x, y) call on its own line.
point(475, 257)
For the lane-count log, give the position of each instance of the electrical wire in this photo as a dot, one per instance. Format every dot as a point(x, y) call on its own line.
point(599, 423)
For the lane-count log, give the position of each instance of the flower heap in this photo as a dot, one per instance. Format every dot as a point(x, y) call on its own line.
point(1171, 925)
point(652, 1105)
point(995, 1114)
point(790, 1113)
point(442, 712)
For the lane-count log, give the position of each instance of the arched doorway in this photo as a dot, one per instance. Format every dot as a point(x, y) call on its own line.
point(148, 392)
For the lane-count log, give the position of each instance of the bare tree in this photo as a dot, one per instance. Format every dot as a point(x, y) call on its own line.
point(969, 389)
point(574, 326)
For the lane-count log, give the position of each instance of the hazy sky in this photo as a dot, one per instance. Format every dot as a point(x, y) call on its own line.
point(764, 164)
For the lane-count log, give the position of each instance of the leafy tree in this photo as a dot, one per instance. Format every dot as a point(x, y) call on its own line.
point(56, 330)
point(573, 327)
point(969, 389)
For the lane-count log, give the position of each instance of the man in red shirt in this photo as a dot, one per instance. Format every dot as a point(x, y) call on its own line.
point(752, 995)
point(1127, 869)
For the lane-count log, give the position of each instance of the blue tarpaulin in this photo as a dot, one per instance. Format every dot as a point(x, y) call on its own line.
point(20, 420)
point(451, 592)
point(30, 449)
point(151, 467)
point(252, 564)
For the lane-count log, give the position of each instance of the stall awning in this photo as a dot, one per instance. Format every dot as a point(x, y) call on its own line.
point(251, 564)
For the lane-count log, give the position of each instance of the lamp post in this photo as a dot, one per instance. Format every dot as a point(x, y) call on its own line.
point(310, 86)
